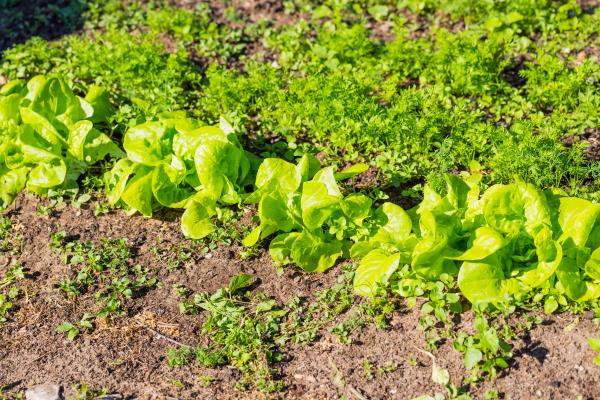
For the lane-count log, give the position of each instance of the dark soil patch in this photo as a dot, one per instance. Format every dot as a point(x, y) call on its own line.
point(49, 19)
point(591, 138)
point(382, 31)
point(512, 72)
point(589, 6)
point(124, 357)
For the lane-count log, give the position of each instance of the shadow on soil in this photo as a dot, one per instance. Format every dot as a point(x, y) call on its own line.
point(533, 349)
point(21, 20)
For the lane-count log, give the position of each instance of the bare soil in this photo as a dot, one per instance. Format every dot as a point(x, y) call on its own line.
point(126, 358)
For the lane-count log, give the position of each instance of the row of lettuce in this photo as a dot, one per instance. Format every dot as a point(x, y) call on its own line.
point(506, 243)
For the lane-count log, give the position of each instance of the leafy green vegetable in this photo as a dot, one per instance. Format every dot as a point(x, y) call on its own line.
point(308, 206)
point(171, 162)
point(500, 245)
point(375, 268)
point(47, 136)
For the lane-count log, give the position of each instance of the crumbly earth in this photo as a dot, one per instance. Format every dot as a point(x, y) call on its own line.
point(553, 361)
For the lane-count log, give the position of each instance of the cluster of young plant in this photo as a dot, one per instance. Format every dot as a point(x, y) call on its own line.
point(10, 240)
point(499, 245)
point(49, 140)
point(305, 204)
point(9, 292)
point(105, 271)
point(249, 331)
point(485, 352)
point(242, 332)
point(194, 30)
point(48, 136)
point(10, 245)
point(173, 256)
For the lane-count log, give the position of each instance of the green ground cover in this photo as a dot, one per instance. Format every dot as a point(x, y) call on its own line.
point(430, 100)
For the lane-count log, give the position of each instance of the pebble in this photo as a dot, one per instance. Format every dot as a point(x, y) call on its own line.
point(46, 391)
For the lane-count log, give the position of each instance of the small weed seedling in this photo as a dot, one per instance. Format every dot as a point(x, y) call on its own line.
point(106, 271)
point(594, 344)
point(8, 292)
point(484, 352)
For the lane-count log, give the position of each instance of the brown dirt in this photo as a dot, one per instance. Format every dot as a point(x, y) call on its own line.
point(382, 31)
point(125, 358)
point(591, 139)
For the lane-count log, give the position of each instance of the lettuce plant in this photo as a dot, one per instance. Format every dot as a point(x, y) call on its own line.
point(499, 245)
point(47, 135)
point(172, 162)
point(305, 206)
point(509, 242)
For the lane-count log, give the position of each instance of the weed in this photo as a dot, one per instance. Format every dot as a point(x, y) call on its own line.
point(73, 330)
point(594, 344)
point(484, 352)
point(9, 292)
point(367, 369)
point(85, 392)
point(10, 239)
point(205, 380)
point(377, 310)
point(105, 271)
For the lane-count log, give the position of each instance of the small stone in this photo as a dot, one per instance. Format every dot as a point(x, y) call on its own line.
point(46, 391)
point(307, 378)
